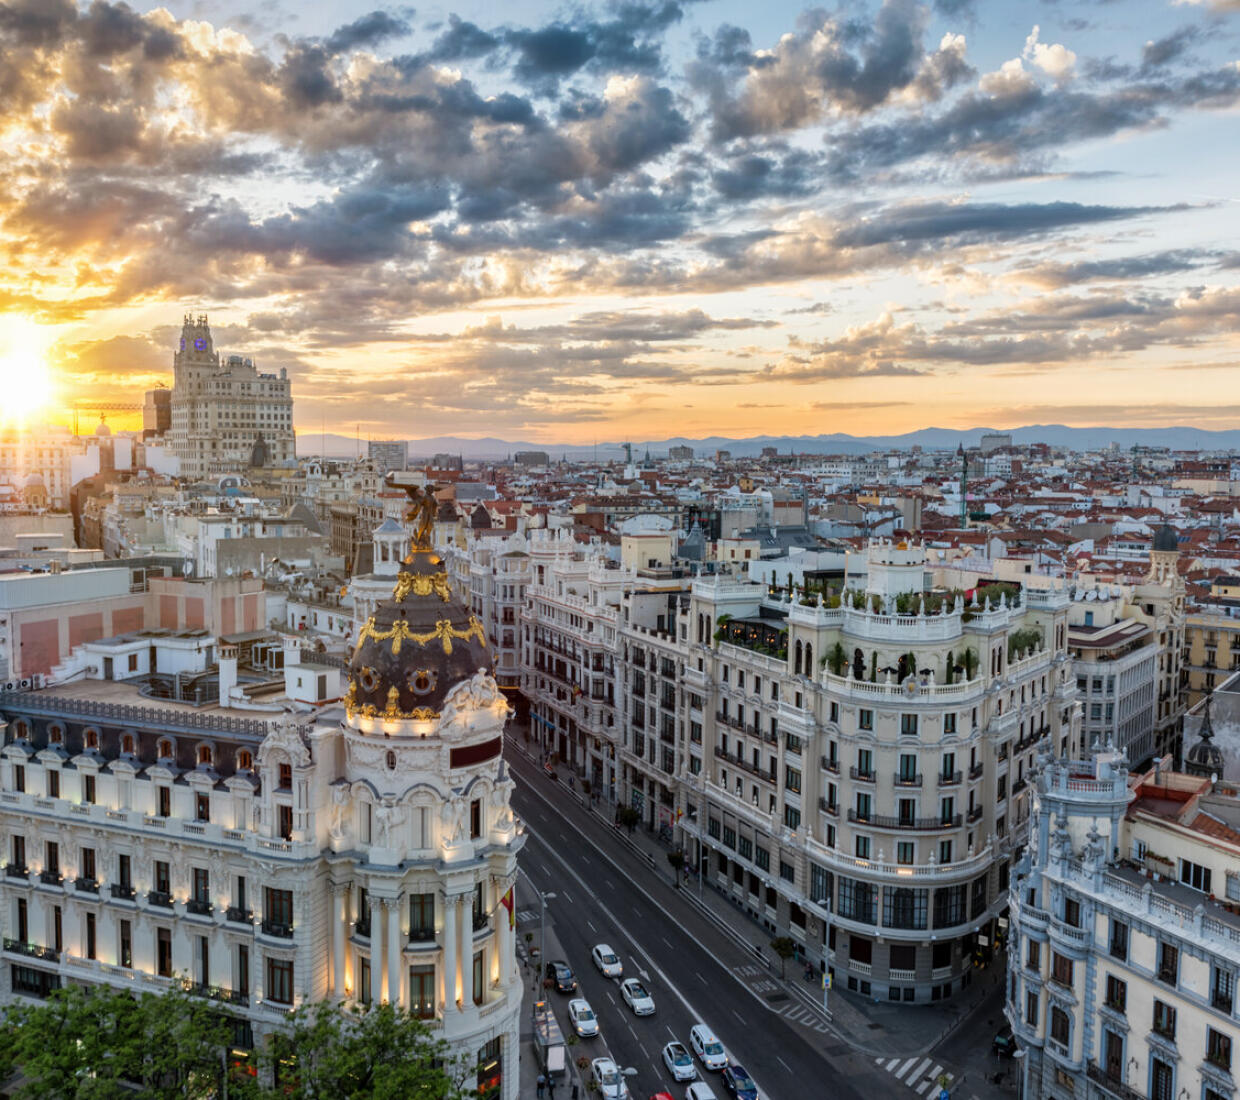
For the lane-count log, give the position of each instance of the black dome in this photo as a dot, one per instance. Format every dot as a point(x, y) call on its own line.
point(1167, 539)
point(1205, 758)
point(416, 647)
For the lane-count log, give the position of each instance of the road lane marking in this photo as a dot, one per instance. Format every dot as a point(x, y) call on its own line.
point(905, 1068)
point(783, 1063)
point(590, 925)
point(916, 1074)
point(668, 942)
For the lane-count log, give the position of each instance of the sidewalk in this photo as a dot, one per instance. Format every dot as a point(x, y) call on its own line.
point(573, 1084)
point(879, 1028)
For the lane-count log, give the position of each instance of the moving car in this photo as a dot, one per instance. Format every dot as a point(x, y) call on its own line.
point(1004, 1043)
point(562, 974)
point(699, 1090)
point(636, 997)
point(738, 1083)
point(707, 1047)
point(679, 1061)
point(607, 961)
point(610, 1081)
point(582, 1019)
point(662, 1096)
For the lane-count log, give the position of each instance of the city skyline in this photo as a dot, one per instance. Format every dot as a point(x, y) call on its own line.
point(631, 220)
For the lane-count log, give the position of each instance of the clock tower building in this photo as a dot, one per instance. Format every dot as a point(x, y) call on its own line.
point(222, 407)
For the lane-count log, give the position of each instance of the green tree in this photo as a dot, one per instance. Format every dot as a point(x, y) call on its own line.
point(101, 1042)
point(837, 659)
point(785, 947)
point(628, 817)
point(380, 1052)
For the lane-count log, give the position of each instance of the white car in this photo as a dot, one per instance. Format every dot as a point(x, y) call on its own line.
point(679, 1061)
point(610, 1081)
point(636, 997)
point(582, 1018)
point(699, 1090)
point(607, 961)
point(707, 1047)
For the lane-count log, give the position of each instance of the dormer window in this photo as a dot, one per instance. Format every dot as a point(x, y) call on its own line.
point(204, 755)
point(286, 776)
point(245, 761)
point(127, 744)
point(55, 734)
point(92, 739)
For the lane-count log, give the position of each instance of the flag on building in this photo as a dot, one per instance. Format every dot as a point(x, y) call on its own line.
point(507, 902)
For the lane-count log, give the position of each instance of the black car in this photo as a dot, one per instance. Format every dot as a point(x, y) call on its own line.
point(562, 974)
point(1004, 1044)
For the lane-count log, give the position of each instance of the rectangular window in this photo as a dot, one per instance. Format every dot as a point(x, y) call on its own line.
point(53, 783)
point(51, 861)
point(908, 725)
point(792, 817)
point(1195, 876)
point(1061, 969)
point(729, 837)
point(1119, 940)
point(480, 990)
point(278, 908)
point(422, 916)
point(858, 900)
point(792, 779)
point(163, 952)
point(125, 945)
point(787, 872)
point(163, 801)
point(861, 847)
point(202, 885)
point(163, 878)
point(280, 981)
point(951, 906)
point(1168, 963)
point(1117, 994)
point(243, 968)
point(124, 872)
point(91, 944)
point(1031, 1009)
point(88, 789)
point(762, 857)
point(88, 864)
point(1072, 912)
point(906, 851)
point(1218, 1049)
point(904, 907)
point(1033, 955)
point(422, 991)
point(284, 821)
point(820, 885)
point(1060, 1027)
point(475, 819)
point(202, 806)
point(19, 777)
point(744, 847)
point(945, 851)
point(865, 719)
point(1164, 1019)
point(1222, 989)
point(949, 723)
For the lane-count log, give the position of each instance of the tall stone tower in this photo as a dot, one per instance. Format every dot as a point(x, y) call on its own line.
point(1162, 597)
point(433, 843)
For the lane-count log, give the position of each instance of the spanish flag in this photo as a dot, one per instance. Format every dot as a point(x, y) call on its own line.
point(507, 902)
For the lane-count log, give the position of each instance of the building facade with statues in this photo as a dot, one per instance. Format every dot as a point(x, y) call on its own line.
point(362, 850)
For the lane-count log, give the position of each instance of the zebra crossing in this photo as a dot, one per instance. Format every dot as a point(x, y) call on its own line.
point(921, 1075)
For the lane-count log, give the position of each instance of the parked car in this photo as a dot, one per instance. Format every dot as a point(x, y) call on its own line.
point(699, 1090)
point(679, 1061)
point(1004, 1043)
point(738, 1083)
point(662, 1096)
point(610, 1081)
point(707, 1047)
point(636, 997)
point(607, 961)
point(562, 974)
point(582, 1019)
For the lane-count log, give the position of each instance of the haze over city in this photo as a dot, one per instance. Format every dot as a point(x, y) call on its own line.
point(630, 220)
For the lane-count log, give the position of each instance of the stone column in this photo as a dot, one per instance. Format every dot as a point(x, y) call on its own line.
point(450, 917)
point(393, 951)
point(339, 916)
point(376, 952)
point(465, 954)
point(503, 936)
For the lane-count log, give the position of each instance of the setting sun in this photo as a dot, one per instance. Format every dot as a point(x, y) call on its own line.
point(25, 379)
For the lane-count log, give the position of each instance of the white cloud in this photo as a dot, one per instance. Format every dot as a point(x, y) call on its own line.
point(1057, 61)
point(1009, 79)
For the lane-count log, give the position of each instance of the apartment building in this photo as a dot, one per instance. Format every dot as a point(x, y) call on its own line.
point(858, 768)
point(273, 860)
point(1211, 648)
point(1125, 935)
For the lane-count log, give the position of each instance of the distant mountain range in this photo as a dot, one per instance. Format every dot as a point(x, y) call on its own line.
point(1056, 435)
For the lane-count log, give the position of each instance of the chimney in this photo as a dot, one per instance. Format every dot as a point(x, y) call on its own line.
point(228, 673)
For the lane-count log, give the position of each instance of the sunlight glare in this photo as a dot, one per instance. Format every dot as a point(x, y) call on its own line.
point(25, 379)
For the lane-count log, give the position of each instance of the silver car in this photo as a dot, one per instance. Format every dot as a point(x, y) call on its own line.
point(581, 1017)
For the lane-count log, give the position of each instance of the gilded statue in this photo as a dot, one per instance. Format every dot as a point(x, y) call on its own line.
point(422, 510)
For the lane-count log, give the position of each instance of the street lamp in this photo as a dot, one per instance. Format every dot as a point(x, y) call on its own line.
point(825, 905)
point(698, 786)
point(542, 928)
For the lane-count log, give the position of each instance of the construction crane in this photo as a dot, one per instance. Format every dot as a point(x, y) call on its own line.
point(102, 408)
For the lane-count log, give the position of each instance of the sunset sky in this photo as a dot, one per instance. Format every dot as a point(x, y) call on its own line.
point(635, 219)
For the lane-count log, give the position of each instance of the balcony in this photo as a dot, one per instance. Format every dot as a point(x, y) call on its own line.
point(975, 772)
point(215, 993)
point(276, 928)
point(31, 950)
point(1019, 785)
point(86, 885)
point(122, 891)
point(17, 870)
point(881, 821)
point(199, 907)
point(829, 765)
point(907, 780)
point(51, 878)
point(238, 915)
point(861, 776)
point(831, 808)
point(421, 935)
point(480, 920)
point(362, 928)
point(974, 814)
point(159, 897)
point(1113, 1085)
point(950, 779)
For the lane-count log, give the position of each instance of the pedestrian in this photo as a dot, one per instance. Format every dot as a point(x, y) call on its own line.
point(550, 1087)
point(542, 1084)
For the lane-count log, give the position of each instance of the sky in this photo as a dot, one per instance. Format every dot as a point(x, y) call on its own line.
point(630, 220)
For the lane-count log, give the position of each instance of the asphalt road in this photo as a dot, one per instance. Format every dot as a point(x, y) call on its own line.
point(606, 895)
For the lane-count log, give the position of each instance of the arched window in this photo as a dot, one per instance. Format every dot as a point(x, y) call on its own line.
point(92, 738)
point(55, 733)
point(127, 744)
point(796, 668)
point(204, 754)
point(809, 659)
point(165, 749)
point(391, 760)
point(21, 730)
point(245, 761)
